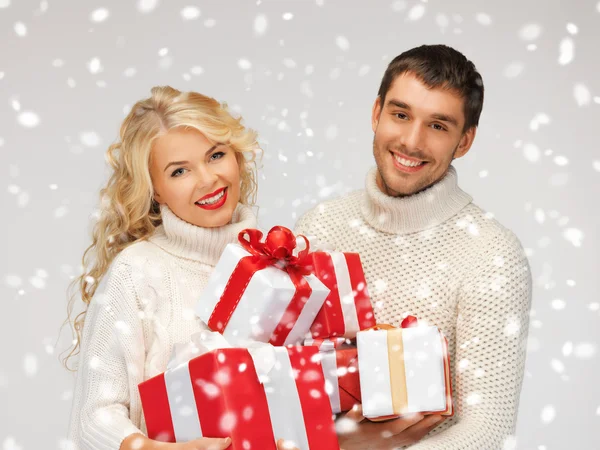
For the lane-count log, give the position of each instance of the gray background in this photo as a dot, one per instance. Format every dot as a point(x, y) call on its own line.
point(304, 74)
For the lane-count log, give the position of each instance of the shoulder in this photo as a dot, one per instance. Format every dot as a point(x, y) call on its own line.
point(139, 264)
point(495, 241)
point(332, 210)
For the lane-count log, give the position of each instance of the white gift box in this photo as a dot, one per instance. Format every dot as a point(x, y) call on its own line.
point(263, 303)
point(404, 370)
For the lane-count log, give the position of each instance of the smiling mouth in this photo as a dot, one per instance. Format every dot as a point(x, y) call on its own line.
point(214, 200)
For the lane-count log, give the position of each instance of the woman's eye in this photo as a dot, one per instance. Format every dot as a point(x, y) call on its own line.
point(217, 155)
point(177, 172)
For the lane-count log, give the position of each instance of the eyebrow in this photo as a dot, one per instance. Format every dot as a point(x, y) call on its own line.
point(437, 116)
point(178, 163)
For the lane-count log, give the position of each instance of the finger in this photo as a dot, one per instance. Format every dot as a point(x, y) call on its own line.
point(418, 431)
point(213, 443)
point(396, 426)
point(355, 414)
point(282, 444)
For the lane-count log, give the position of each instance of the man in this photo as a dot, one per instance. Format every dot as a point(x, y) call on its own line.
point(429, 251)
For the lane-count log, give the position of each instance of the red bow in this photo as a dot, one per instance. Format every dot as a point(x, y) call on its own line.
point(278, 248)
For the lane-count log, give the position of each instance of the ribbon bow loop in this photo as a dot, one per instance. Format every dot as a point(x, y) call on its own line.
point(278, 247)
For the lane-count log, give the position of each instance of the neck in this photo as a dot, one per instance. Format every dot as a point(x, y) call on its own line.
point(416, 212)
point(184, 240)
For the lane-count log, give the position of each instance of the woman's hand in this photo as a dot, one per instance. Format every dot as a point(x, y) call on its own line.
point(282, 444)
point(141, 442)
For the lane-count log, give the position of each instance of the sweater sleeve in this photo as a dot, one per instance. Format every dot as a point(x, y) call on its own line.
point(111, 364)
point(491, 333)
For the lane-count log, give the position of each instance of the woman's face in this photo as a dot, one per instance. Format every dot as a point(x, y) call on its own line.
point(197, 179)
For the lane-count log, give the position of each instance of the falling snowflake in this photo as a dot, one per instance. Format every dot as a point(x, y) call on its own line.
point(190, 13)
point(416, 12)
point(483, 19)
point(331, 132)
point(94, 66)
point(567, 348)
point(89, 138)
point(574, 236)
point(260, 24)
point(288, 16)
point(548, 414)
point(539, 119)
point(99, 15)
point(4, 3)
point(10, 444)
point(20, 29)
point(531, 152)
point(582, 94)
point(584, 350)
point(596, 165)
point(530, 32)
point(567, 51)
point(513, 70)
point(30, 365)
point(572, 28)
point(28, 119)
point(342, 43)
point(147, 6)
point(244, 64)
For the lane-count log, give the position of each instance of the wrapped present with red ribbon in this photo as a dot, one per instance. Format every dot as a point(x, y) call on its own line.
point(263, 291)
point(347, 308)
point(404, 370)
point(254, 395)
point(339, 361)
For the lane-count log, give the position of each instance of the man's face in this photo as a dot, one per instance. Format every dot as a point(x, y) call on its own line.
point(418, 132)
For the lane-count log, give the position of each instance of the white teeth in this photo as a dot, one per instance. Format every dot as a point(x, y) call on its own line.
point(212, 200)
point(406, 162)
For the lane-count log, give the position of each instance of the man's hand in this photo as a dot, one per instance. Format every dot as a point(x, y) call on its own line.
point(357, 433)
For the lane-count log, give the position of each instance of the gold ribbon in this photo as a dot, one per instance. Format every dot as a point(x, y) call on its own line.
point(395, 348)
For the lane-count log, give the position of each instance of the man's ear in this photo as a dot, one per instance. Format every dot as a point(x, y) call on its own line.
point(376, 113)
point(465, 142)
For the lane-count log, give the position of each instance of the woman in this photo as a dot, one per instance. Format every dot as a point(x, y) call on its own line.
point(181, 188)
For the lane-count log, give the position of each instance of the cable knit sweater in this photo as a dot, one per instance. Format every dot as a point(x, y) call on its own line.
point(143, 306)
point(438, 256)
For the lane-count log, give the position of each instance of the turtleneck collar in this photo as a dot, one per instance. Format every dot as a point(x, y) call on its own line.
point(403, 215)
point(205, 245)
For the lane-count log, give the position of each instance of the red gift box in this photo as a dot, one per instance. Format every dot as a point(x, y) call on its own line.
point(347, 308)
point(339, 362)
point(226, 392)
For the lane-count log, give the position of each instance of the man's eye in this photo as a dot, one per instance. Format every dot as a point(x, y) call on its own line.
point(217, 155)
point(177, 172)
point(401, 115)
point(437, 126)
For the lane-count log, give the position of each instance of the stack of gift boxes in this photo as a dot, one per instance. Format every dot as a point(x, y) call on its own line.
point(293, 342)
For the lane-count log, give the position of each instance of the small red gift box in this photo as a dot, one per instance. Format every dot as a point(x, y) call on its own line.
point(339, 362)
point(347, 308)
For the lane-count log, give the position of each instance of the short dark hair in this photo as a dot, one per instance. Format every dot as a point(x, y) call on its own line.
point(440, 66)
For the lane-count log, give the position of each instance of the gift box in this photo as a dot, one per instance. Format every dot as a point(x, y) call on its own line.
point(340, 368)
point(255, 396)
point(404, 370)
point(347, 308)
point(262, 291)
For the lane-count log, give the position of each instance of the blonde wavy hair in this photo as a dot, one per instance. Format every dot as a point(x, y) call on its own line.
point(128, 211)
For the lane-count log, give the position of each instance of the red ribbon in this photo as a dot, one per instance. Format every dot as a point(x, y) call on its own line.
point(277, 251)
point(408, 322)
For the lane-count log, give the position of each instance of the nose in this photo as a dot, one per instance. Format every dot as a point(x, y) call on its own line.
point(206, 178)
point(412, 137)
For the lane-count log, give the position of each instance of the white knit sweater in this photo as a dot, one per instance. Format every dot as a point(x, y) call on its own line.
point(438, 256)
point(143, 306)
